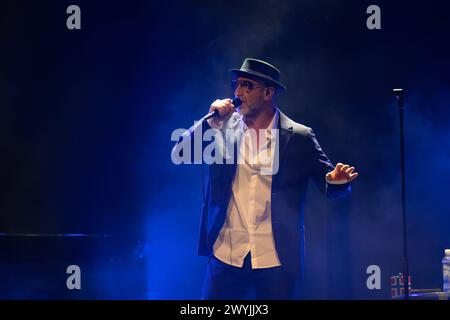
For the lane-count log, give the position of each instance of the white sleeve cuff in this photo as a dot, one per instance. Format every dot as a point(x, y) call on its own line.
point(335, 182)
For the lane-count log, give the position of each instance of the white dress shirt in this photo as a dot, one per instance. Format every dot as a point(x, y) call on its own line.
point(248, 225)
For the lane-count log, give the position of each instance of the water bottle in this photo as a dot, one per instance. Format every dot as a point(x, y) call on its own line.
point(446, 270)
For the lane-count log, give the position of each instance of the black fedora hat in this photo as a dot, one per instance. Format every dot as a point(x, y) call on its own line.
point(261, 70)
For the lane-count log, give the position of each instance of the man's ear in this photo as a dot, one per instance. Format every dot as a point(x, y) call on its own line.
point(269, 91)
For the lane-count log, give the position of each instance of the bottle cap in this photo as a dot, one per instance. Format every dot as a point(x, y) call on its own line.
point(447, 252)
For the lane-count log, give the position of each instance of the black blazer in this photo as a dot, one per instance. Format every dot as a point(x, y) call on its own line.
point(300, 159)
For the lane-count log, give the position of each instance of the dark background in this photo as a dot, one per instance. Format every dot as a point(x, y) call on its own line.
point(86, 118)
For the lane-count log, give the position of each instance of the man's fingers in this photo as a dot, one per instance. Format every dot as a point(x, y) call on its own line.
point(349, 170)
point(224, 107)
point(228, 109)
point(344, 169)
point(353, 176)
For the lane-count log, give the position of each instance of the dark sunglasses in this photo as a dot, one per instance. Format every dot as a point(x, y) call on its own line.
point(246, 85)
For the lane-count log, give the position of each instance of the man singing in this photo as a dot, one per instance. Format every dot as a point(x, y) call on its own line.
point(252, 216)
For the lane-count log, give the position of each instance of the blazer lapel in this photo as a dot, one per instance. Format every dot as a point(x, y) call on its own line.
point(285, 127)
point(285, 134)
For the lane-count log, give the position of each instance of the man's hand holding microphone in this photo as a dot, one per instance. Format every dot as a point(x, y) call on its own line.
point(221, 109)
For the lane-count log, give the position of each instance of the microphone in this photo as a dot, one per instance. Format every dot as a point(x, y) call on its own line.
point(236, 102)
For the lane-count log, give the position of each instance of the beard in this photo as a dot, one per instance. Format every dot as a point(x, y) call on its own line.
point(247, 111)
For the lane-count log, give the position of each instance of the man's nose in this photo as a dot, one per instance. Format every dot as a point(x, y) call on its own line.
point(238, 91)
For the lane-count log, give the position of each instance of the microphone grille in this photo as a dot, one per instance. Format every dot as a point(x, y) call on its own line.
point(237, 102)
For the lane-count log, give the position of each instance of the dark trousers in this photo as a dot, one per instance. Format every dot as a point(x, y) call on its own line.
point(225, 282)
